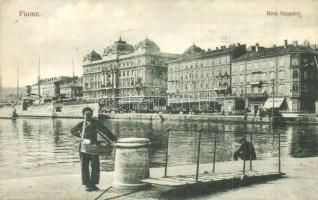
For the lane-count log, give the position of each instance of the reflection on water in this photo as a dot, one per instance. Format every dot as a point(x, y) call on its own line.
point(32, 147)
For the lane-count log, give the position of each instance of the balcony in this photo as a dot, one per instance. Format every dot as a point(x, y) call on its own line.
point(221, 88)
point(295, 94)
point(257, 95)
point(256, 82)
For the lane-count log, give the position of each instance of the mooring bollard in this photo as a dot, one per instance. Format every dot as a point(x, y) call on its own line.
point(131, 163)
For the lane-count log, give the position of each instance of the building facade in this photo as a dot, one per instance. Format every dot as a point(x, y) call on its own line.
point(285, 74)
point(201, 80)
point(62, 87)
point(126, 75)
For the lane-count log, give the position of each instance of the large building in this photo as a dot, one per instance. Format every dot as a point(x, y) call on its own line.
point(125, 74)
point(201, 80)
point(287, 72)
point(63, 87)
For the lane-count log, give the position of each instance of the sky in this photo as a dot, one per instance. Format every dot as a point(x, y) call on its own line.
point(68, 30)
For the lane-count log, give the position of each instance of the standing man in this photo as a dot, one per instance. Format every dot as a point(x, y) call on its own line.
point(92, 127)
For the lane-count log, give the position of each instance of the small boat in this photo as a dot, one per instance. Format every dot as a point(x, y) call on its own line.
point(14, 115)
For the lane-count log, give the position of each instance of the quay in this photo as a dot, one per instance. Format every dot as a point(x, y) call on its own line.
point(298, 170)
point(6, 113)
point(295, 118)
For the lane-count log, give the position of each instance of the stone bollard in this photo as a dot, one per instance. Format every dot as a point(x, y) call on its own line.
point(131, 163)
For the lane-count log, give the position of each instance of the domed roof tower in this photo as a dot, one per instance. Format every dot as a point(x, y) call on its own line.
point(92, 56)
point(193, 50)
point(147, 45)
point(119, 47)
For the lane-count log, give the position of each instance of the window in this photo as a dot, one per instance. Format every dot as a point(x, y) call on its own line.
point(241, 68)
point(242, 78)
point(234, 79)
point(305, 75)
point(294, 61)
point(272, 75)
point(295, 87)
point(264, 76)
point(281, 74)
point(248, 78)
point(281, 89)
point(295, 74)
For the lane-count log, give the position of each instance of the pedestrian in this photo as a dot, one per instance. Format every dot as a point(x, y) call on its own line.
point(246, 151)
point(246, 113)
point(92, 127)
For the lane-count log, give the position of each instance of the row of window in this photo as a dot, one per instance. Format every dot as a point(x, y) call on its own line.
point(282, 89)
point(122, 73)
point(202, 63)
point(201, 74)
point(104, 67)
point(271, 75)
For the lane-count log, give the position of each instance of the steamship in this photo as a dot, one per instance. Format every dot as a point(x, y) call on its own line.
point(32, 106)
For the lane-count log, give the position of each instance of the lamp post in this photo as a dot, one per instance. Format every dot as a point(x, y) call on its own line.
point(273, 87)
point(194, 92)
point(128, 103)
point(157, 93)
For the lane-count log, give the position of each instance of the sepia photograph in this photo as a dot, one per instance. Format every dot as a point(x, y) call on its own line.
point(158, 99)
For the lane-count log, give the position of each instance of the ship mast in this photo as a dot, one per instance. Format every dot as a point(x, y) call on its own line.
point(73, 65)
point(39, 93)
point(0, 83)
point(18, 82)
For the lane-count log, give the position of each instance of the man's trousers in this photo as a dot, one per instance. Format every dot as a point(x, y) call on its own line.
point(93, 177)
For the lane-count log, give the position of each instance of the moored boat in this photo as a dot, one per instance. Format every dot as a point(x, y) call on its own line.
point(64, 108)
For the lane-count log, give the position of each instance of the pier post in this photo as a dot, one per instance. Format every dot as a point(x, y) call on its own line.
point(244, 151)
point(279, 161)
point(131, 163)
point(198, 157)
point(214, 152)
point(167, 153)
point(251, 164)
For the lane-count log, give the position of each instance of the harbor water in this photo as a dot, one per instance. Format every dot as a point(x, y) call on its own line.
point(37, 147)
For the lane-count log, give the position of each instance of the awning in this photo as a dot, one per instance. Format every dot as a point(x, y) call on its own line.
point(277, 102)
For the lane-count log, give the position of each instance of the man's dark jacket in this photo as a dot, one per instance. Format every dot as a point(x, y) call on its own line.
point(92, 130)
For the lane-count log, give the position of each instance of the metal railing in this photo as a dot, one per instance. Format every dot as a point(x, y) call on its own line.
point(215, 150)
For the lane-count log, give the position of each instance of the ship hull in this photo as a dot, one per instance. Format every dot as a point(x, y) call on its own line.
point(65, 111)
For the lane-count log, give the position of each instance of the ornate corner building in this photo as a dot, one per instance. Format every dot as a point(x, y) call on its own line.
point(127, 75)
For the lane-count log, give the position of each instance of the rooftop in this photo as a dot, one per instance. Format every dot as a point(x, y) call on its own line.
point(194, 52)
point(275, 51)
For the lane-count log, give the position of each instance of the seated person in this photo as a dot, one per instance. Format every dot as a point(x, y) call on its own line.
point(246, 151)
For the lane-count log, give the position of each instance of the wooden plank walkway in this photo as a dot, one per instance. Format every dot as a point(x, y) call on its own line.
point(183, 180)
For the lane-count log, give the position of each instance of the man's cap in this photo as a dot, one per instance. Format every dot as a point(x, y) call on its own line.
point(87, 109)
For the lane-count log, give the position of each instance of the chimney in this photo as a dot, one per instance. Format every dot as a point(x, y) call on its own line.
point(295, 43)
point(256, 47)
point(238, 44)
point(217, 48)
point(222, 47)
point(274, 45)
point(285, 43)
point(209, 49)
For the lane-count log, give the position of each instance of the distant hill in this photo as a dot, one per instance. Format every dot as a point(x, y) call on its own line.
point(10, 93)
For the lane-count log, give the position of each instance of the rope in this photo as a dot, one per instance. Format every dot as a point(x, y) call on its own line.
point(103, 192)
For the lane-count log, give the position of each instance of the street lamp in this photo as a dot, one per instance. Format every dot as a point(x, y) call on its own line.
point(273, 87)
point(194, 92)
point(157, 92)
